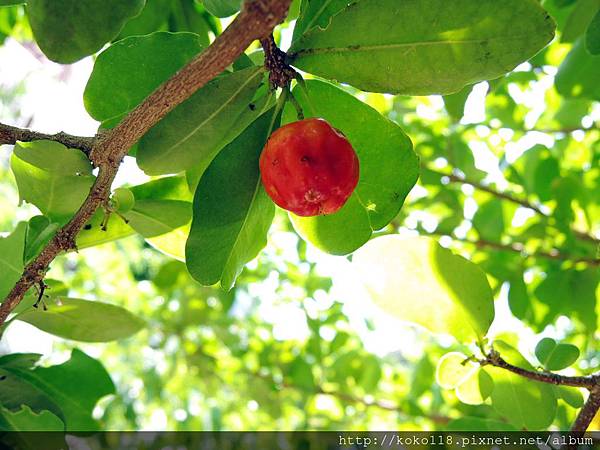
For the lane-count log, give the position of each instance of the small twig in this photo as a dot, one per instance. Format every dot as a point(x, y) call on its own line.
point(380, 404)
point(591, 382)
point(453, 178)
point(11, 135)
point(280, 72)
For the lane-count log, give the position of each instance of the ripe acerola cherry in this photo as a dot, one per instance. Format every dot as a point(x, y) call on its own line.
point(309, 168)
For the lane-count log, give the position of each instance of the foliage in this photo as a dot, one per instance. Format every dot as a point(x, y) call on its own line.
point(477, 208)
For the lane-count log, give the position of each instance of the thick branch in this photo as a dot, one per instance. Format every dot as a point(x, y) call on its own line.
point(587, 413)
point(256, 21)
point(453, 178)
point(10, 135)
point(591, 382)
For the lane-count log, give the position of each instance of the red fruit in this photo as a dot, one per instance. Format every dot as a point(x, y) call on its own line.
point(309, 168)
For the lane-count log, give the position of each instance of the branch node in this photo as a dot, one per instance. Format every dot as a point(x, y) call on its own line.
point(280, 72)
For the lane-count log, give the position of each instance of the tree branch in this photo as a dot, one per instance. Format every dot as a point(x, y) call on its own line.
point(256, 21)
point(453, 178)
point(587, 413)
point(591, 382)
point(518, 247)
point(10, 135)
point(280, 72)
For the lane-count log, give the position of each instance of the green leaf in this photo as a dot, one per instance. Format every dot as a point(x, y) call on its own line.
point(75, 385)
point(129, 70)
point(31, 431)
point(555, 356)
point(316, 14)
point(478, 424)
point(83, 320)
point(422, 47)
point(153, 218)
point(232, 213)
point(194, 132)
point(11, 258)
point(68, 30)
point(455, 103)
point(571, 395)
point(14, 391)
point(388, 169)
point(39, 232)
point(476, 388)
point(524, 403)
point(222, 8)
point(592, 36)
point(27, 420)
point(301, 374)
point(489, 220)
point(578, 74)
point(371, 373)
point(452, 369)
point(152, 18)
point(189, 15)
point(11, 2)
point(93, 232)
point(441, 291)
point(52, 177)
point(579, 19)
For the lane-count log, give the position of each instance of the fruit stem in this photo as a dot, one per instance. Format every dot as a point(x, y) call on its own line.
point(294, 101)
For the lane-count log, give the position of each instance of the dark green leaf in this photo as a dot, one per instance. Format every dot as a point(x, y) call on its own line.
point(193, 133)
point(555, 356)
point(579, 19)
point(27, 420)
point(83, 320)
point(578, 74)
point(129, 70)
point(232, 212)
point(422, 47)
point(592, 35)
point(14, 391)
point(68, 30)
point(75, 385)
point(388, 169)
point(222, 8)
point(152, 18)
point(39, 232)
point(12, 248)
point(52, 177)
point(316, 14)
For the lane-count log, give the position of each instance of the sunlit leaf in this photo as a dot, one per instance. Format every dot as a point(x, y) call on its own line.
point(416, 280)
point(83, 320)
point(424, 47)
point(52, 177)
